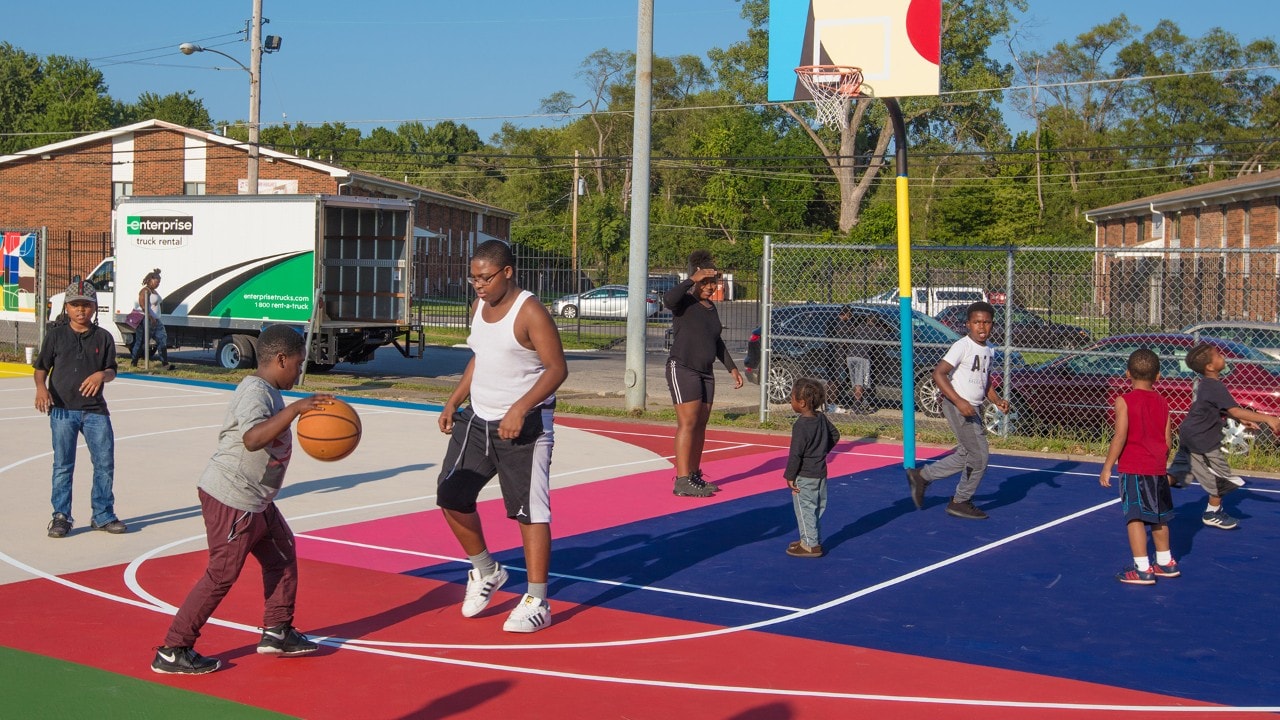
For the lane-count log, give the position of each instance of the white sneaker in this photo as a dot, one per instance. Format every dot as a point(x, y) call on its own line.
point(480, 590)
point(531, 615)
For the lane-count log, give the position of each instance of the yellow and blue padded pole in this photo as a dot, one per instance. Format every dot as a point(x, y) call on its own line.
point(906, 331)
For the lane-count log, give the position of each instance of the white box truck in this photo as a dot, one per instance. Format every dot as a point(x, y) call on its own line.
point(231, 265)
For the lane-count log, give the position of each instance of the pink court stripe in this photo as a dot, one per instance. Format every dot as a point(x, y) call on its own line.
point(575, 510)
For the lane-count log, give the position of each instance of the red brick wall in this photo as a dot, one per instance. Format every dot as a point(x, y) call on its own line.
point(71, 194)
point(81, 183)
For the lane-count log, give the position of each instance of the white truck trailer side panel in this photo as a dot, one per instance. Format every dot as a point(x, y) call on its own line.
point(221, 259)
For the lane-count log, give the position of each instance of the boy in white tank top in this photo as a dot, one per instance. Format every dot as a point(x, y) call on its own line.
point(508, 431)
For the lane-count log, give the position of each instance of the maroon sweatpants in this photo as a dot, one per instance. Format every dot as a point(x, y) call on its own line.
point(233, 535)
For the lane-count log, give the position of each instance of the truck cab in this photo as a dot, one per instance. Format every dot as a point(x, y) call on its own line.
point(103, 277)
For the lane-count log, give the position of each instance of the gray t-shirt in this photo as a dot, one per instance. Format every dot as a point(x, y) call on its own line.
point(243, 479)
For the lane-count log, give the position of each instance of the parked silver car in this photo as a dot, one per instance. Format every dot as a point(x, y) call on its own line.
point(606, 301)
point(1261, 336)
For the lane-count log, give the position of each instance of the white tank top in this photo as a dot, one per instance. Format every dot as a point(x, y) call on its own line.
point(505, 370)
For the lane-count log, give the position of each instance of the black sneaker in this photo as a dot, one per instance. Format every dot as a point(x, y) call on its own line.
point(698, 480)
point(182, 661)
point(115, 527)
point(687, 488)
point(917, 483)
point(59, 526)
point(284, 640)
point(966, 510)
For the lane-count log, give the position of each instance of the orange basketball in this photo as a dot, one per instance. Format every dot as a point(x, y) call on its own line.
point(329, 432)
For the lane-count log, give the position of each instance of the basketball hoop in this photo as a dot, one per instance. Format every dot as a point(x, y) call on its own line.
point(832, 88)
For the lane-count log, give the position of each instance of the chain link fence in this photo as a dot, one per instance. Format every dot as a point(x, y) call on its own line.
point(590, 304)
point(1066, 321)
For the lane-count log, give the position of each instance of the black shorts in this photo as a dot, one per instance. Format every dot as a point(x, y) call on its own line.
point(688, 385)
point(523, 465)
point(1146, 498)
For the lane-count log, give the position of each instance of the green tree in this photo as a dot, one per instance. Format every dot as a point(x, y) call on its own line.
point(182, 108)
point(49, 97)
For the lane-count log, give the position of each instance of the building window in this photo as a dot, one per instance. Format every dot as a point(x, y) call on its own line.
point(192, 188)
point(121, 189)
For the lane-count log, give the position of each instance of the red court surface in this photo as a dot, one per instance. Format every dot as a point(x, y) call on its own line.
point(664, 607)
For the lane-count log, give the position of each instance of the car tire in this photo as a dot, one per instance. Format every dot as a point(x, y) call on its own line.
point(928, 396)
point(569, 311)
point(782, 377)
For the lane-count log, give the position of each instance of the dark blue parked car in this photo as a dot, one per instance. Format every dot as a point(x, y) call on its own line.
point(801, 348)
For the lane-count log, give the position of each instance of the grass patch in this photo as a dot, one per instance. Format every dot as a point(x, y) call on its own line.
point(36, 686)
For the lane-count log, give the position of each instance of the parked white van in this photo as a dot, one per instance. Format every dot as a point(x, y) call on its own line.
point(931, 299)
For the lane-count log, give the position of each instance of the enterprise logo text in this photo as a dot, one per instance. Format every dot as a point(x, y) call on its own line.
point(147, 225)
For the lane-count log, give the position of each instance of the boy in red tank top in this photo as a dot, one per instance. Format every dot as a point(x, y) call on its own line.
point(1141, 445)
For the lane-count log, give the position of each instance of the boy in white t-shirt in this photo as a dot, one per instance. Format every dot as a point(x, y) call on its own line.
point(964, 377)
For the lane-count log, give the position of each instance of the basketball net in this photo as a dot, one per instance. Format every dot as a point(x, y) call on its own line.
point(832, 87)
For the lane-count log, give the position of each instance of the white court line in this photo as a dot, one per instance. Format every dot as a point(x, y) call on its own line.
point(25, 460)
point(166, 608)
point(366, 647)
point(113, 402)
point(598, 581)
point(126, 410)
point(359, 646)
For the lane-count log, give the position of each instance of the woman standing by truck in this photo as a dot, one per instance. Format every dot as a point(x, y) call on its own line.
point(148, 304)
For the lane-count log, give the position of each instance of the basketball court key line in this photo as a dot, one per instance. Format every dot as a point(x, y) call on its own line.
point(562, 576)
point(349, 644)
point(132, 581)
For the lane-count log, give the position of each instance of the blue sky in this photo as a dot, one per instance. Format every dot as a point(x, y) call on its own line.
point(477, 62)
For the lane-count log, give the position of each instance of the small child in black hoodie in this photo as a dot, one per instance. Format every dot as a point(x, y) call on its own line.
point(812, 437)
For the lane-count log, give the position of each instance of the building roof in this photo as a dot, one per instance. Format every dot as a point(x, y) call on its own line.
point(1238, 189)
point(335, 171)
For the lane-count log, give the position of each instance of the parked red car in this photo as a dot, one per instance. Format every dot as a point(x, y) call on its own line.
point(1080, 390)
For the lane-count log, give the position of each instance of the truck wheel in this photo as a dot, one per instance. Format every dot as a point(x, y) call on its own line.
point(235, 352)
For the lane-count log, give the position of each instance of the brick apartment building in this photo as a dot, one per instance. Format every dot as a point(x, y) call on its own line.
point(69, 188)
point(1163, 287)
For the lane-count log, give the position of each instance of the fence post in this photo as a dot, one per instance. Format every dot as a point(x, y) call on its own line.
point(766, 305)
point(1008, 332)
point(42, 287)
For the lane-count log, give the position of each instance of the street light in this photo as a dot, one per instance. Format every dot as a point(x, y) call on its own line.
point(255, 82)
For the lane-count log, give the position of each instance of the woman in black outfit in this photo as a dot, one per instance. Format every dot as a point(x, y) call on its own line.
point(695, 346)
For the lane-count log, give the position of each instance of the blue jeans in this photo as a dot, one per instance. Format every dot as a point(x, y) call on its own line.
point(99, 438)
point(159, 335)
point(809, 504)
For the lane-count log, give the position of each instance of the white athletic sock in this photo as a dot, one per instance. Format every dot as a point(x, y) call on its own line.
point(1164, 557)
point(538, 590)
point(483, 563)
point(1212, 508)
point(1143, 564)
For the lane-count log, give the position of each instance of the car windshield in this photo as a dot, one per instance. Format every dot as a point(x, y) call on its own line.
point(925, 329)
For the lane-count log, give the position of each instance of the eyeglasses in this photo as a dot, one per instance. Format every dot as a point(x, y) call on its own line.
point(477, 281)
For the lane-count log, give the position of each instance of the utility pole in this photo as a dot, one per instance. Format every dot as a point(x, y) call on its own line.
point(637, 288)
point(255, 92)
point(577, 284)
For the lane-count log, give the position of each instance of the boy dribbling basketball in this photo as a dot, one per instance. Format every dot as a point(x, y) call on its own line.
point(237, 493)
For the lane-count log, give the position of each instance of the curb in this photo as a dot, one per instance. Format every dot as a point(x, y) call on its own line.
point(20, 369)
